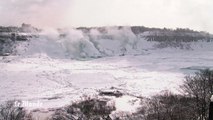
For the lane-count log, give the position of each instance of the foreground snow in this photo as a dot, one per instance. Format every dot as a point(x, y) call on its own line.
point(57, 82)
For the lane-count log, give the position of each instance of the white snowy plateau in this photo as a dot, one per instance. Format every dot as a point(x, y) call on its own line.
point(57, 68)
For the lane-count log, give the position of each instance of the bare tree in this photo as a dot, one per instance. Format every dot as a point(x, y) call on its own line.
point(168, 106)
point(200, 87)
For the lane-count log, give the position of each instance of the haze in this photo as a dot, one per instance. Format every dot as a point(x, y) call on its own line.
point(194, 14)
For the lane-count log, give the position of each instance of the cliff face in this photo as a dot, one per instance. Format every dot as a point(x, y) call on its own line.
point(9, 35)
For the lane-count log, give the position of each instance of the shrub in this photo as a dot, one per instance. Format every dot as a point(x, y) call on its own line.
point(169, 106)
point(9, 111)
point(89, 109)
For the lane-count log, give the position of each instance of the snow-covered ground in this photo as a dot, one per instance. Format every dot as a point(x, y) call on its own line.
point(56, 82)
point(43, 73)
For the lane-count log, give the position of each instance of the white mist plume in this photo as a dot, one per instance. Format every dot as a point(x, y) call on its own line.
point(78, 45)
point(73, 43)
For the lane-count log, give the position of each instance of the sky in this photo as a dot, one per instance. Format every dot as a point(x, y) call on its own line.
point(194, 14)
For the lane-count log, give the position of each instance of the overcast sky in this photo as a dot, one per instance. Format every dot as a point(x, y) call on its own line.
point(195, 14)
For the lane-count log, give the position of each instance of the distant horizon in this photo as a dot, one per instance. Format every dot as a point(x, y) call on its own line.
point(106, 26)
